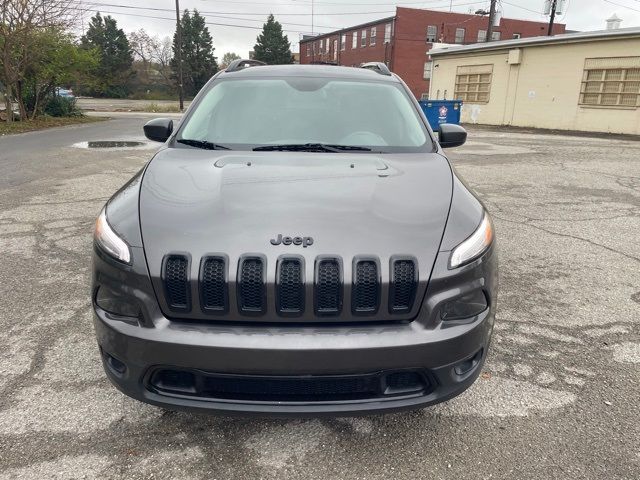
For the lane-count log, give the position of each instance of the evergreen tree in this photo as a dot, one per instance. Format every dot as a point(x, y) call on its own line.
point(198, 61)
point(114, 71)
point(272, 46)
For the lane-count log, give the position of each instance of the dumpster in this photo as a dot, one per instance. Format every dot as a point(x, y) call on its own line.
point(441, 111)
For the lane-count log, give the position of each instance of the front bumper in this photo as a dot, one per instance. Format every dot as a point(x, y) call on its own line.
point(447, 356)
point(293, 352)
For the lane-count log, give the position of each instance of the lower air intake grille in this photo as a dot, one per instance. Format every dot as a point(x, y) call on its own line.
point(366, 287)
point(290, 286)
point(251, 286)
point(176, 283)
point(328, 288)
point(206, 385)
point(213, 284)
point(403, 287)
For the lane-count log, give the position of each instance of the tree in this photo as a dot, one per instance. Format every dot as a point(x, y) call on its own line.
point(116, 57)
point(152, 57)
point(272, 46)
point(227, 58)
point(56, 60)
point(198, 60)
point(21, 23)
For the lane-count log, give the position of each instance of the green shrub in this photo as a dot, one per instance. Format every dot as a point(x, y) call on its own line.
point(58, 106)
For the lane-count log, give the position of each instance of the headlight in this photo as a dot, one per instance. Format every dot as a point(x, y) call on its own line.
point(474, 246)
point(109, 241)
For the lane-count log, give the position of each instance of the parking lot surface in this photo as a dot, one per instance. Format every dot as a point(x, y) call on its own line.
point(559, 397)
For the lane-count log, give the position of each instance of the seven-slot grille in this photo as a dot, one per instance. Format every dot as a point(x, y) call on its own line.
point(290, 289)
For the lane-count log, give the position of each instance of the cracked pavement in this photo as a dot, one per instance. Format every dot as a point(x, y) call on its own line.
point(559, 396)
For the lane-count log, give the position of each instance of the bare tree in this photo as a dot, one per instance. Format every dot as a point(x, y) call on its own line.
point(20, 21)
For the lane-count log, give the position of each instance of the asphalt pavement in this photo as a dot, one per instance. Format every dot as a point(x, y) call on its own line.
point(559, 397)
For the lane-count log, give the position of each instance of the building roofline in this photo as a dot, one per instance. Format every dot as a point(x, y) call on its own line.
point(535, 41)
point(387, 19)
point(348, 29)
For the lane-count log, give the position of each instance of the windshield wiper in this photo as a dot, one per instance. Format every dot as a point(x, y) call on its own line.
point(202, 144)
point(311, 147)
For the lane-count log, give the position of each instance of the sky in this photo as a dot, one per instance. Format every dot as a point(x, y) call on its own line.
point(234, 24)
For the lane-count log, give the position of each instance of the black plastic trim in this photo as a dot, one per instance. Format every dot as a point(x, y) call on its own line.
point(290, 312)
point(365, 311)
point(225, 260)
point(392, 283)
point(163, 276)
point(263, 294)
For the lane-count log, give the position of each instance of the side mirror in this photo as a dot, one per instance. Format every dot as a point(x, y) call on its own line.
point(450, 135)
point(158, 129)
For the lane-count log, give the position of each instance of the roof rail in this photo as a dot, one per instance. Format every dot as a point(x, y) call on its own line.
point(378, 67)
point(242, 64)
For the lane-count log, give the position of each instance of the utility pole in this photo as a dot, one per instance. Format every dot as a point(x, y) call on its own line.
point(492, 14)
point(552, 18)
point(312, 19)
point(179, 54)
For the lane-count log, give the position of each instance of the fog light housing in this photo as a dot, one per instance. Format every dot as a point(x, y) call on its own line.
point(117, 303)
point(466, 306)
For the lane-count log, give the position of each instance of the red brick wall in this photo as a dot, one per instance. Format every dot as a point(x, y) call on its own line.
point(379, 52)
point(406, 53)
point(410, 40)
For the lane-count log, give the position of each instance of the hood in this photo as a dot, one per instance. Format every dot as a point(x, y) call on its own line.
point(197, 202)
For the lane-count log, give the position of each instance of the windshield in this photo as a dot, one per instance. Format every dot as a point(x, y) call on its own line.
point(323, 113)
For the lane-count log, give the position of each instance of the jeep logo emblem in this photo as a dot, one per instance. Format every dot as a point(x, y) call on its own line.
point(304, 241)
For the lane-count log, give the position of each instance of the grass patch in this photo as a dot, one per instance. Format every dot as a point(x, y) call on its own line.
point(157, 108)
point(41, 123)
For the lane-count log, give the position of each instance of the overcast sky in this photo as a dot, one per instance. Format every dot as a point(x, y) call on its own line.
point(234, 24)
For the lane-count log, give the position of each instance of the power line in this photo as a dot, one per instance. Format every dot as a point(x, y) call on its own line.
point(623, 6)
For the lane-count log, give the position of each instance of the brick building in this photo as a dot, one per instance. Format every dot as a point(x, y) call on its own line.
point(404, 40)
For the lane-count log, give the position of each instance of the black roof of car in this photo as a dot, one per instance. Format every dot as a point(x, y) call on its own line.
point(328, 71)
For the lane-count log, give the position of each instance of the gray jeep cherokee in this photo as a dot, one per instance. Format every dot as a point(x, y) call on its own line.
point(300, 245)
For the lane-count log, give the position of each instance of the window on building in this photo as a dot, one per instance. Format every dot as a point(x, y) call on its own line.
point(327, 45)
point(335, 50)
point(432, 33)
point(387, 33)
point(321, 45)
point(374, 34)
point(363, 38)
point(482, 35)
point(343, 42)
point(354, 41)
point(611, 82)
point(495, 36)
point(459, 35)
point(308, 50)
point(516, 35)
point(424, 96)
point(473, 83)
point(427, 70)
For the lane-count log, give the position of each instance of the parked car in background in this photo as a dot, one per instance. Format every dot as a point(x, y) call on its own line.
point(64, 92)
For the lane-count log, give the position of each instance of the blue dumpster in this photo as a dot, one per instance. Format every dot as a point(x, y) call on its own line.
point(441, 111)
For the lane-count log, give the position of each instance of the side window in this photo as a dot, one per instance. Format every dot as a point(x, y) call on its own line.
point(432, 33)
point(387, 33)
point(460, 35)
point(611, 82)
point(354, 41)
point(363, 38)
point(374, 34)
point(482, 36)
point(427, 70)
point(473, 83)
